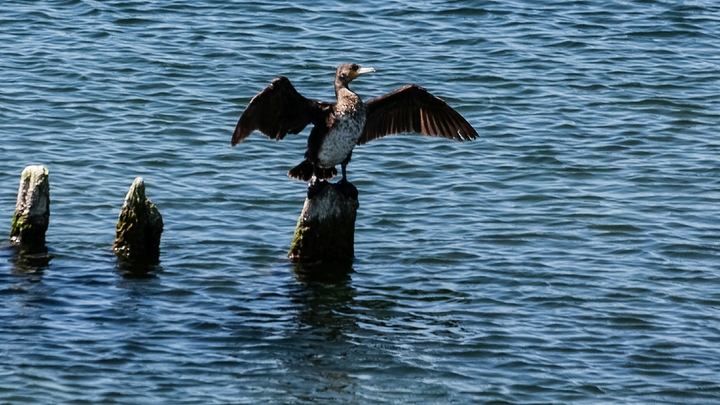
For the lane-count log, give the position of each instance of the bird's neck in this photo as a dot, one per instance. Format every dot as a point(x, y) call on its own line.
point(344, 94)
point(340, 87)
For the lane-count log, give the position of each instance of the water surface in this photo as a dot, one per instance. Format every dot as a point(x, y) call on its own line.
point(570, 255)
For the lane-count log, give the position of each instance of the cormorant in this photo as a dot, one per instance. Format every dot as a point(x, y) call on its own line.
point(339, 126)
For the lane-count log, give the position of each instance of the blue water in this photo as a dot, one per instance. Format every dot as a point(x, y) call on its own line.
point(569, 255)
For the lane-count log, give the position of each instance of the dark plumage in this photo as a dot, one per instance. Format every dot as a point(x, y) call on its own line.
point(339, 126)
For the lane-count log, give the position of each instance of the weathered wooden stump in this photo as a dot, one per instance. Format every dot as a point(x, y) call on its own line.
point(325, 231)
point(32, 210)
point(139, 227)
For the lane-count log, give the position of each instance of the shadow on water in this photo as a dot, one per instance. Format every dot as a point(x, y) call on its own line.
point(324, 296)
point(323, 299)
point(137, 269)
point(27, 261)
point(333, 272)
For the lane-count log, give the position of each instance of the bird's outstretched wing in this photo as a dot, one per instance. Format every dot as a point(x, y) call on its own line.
point(277, 111)
point(412, 109)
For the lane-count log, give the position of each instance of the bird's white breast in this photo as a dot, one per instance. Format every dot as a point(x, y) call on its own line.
point(341, 139)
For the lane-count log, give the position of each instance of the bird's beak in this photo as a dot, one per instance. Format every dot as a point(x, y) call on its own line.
point(362, 71)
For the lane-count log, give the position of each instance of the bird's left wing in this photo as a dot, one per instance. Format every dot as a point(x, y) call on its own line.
point(412, 109)
point(277, 111)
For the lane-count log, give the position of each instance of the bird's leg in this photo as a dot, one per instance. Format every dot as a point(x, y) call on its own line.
point(344, 173)
point(343, 166)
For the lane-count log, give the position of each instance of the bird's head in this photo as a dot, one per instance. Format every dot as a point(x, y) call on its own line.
point(348, 72)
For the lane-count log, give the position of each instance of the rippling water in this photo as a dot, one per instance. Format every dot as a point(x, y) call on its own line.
point(570, 255)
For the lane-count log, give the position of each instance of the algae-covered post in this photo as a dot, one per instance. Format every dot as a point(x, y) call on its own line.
point(326, 228)
point(32, 211)
point(139, 227)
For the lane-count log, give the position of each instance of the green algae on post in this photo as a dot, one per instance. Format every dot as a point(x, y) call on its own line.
point(32, 210)
point(139, 227)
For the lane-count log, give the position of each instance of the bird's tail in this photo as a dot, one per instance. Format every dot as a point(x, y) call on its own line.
point(305, 170)
point(325, 173)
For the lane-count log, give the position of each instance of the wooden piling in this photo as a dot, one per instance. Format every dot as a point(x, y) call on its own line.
point(139, 227)
point(325, 231)
point(32, 210)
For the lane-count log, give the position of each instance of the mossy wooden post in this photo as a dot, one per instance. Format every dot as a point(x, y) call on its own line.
point(32, 210)
point(325, 231)
point(139, 227)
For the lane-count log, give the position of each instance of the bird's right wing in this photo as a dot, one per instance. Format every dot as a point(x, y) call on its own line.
point(277, 111)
